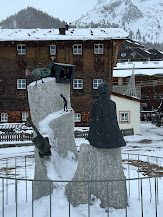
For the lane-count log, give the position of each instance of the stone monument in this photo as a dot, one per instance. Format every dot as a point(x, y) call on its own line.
point(101, 160)
point(52, 121)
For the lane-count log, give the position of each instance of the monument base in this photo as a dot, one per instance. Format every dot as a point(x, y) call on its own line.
point(98, 165)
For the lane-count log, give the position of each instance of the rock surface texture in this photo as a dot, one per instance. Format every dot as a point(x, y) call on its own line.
point(52, 121)
point(98, 164)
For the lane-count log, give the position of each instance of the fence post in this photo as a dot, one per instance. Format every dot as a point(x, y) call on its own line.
point(32, 200)
point(156, 195)
point(149, 180)
point(107, 190)
point(3, 203)
point(129, 174)
point(26, 175)
point(138, 180)
point(142, 198)
point(88, 199)
point(69, 191)
point(6, 181)
point(16, 197)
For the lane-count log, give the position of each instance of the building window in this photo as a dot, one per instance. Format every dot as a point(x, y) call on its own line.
point(21, 83)
point(160, 96)
point(77, 117)
point(4, 117)
point(120, 81)
point(25, 115)
point(77, 49)
point(154, 82)
point(53, 49)
point(96, 83)
point(124, 117)
point(146, 83)
point(144, 96)
point(154, 96)
point(123, 54)
point(127, 80)
point(77, 84)
point(133, 54)
point(21, 49)
point(98, 49)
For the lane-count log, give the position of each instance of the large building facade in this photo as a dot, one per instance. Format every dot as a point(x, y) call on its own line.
point(93, 51)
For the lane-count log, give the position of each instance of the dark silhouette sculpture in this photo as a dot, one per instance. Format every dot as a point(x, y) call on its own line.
point(40, 142)
point(63, 73)
point(104, 129)
point(65, 102)
point(28, 74)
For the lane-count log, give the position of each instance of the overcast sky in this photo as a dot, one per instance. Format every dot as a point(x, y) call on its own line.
point(67, 10)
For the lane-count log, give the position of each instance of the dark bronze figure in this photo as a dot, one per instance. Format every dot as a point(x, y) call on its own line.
point(65, 102)
point(28, 74)
point(40, 73)
point(62, 72)
point(40, 142)
point(104, 129)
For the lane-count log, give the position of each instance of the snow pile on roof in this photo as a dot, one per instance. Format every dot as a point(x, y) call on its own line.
point(140, 65)
point(140, 68)
point(71, 34)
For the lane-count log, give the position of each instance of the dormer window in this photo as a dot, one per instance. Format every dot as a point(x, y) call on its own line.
point(21, 49)
point(123, 54)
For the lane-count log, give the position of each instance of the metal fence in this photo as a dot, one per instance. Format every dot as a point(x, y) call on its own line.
point(84, 134)
point(144, 181)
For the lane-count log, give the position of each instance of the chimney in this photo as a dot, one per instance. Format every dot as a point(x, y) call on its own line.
point(62, 31)
point(66, 26)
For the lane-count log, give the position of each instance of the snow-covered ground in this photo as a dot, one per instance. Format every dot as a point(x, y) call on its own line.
point(150, 143)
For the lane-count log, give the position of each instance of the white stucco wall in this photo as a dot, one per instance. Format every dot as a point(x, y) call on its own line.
point(133, 107)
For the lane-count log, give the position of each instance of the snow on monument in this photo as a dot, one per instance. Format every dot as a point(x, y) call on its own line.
point(55, 123)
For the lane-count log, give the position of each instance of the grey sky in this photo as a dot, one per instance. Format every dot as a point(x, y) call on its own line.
point(67, 10)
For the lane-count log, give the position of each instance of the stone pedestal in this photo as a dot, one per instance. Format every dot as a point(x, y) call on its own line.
point(98, 164)
point(46, 106)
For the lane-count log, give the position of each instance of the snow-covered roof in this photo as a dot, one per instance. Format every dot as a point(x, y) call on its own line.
point(140, 68)
point(125, 97)
point(71, 34)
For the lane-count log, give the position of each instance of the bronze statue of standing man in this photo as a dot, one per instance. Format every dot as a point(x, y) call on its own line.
point(65, 102)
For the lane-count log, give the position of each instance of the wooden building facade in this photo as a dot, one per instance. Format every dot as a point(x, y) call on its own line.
point(94, 52)
point(148, 81)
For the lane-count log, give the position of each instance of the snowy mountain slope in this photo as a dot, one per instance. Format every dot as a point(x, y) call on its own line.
point(141, 18)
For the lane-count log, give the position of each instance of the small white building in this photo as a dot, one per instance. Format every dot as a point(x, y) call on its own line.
point(128, 112)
